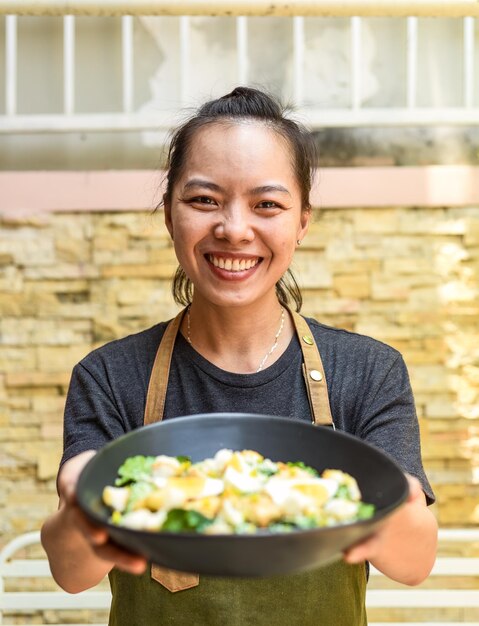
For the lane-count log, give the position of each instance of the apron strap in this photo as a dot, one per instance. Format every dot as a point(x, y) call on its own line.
point(313, 373)
point(316, 387)
point(157, 387)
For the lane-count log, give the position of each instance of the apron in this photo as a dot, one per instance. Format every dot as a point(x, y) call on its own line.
point(316, 597)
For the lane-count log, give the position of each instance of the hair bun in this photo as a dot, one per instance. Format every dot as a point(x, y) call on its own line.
point(244, 102)
point(239, 91)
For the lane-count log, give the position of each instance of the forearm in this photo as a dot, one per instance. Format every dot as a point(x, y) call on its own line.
point(408, 545)
point(73, 563)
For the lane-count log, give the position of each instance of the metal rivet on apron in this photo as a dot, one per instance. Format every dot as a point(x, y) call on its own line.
point(315, 375)
point(307, 339)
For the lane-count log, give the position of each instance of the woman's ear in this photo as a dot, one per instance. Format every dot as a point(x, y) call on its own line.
point(167, 210)
point(304, 223)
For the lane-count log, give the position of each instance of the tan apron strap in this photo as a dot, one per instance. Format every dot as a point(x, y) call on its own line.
point(154, 409)
point(313, 373)
point(155, 398)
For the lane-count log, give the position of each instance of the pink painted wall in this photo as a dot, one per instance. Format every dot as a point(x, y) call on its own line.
point(33, 192)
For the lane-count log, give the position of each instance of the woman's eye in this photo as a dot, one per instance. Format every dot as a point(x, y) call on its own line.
point(203, 200)
point(268, 204)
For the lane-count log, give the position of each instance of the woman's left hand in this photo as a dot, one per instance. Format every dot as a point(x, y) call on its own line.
point(404, 546)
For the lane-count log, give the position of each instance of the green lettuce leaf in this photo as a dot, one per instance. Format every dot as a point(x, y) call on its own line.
point(138, 491)
point(180, 520)
point(134, 469)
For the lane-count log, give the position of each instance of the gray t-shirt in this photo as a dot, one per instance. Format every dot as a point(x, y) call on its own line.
point(368, 385)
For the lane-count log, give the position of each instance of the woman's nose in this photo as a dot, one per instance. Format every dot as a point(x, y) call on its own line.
point(235, 225)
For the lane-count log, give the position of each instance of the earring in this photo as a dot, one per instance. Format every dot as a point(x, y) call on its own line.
point(298, 242)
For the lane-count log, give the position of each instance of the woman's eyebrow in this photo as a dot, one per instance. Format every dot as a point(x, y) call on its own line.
point(268, 189)
point(198, 182)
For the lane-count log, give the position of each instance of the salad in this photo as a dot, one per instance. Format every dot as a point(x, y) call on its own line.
point(233, 492)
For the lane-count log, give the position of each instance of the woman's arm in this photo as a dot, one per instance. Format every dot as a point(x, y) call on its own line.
point(404, 548)
point(80, 553)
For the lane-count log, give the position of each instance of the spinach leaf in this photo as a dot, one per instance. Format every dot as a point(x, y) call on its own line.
point(183, 459)
point(135, 468)
point(304, 522)
point(281, 527)
point(366, 511)
point(267, 471)
point(302, 466)
point(343, 493)
point(180, 520)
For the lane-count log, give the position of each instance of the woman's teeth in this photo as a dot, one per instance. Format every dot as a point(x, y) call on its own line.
point(233, 265)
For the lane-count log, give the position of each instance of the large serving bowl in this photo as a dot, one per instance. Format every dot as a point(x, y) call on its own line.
point(380, 480)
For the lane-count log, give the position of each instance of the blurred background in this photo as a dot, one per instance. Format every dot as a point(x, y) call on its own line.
point(86, 105)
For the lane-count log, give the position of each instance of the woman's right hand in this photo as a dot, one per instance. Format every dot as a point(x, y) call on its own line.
point(96, 536)
point(81, 553)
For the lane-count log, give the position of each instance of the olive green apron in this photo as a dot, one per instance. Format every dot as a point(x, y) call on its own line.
point(332, 595)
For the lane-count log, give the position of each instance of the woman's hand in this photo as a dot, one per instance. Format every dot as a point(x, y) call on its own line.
point(81, 553)
point(404, 547)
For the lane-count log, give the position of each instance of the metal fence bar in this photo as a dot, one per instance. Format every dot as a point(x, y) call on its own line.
point(11, 64)
point(316, 118)
point(324, 8)
point(411, 69)
point(127, 62)
point(242, 49)
point(468, 61)
point(69, 64)
point(356, 54)
point(184, 58)
point(298, 59)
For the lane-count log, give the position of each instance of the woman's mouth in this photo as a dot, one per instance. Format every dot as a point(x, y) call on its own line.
point(232, 268)
point(233, 264)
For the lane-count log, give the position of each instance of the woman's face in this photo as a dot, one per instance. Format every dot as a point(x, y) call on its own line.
point(235, 213)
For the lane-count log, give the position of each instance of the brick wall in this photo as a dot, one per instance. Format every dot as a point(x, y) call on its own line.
point(70, 282)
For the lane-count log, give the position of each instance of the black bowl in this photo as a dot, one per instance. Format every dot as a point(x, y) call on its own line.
point(380, 480)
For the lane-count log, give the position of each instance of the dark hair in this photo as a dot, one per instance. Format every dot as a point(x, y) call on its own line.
point(243, 104)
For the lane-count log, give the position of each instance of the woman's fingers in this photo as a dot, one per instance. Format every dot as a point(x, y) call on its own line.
point(122, 559)
point(95, 535)
point(369, 549)
point(99, 540)
point(363, 551)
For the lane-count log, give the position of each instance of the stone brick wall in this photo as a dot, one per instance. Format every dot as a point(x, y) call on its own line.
point(70, 282)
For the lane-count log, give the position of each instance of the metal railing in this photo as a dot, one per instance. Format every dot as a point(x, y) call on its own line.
point(409, 113)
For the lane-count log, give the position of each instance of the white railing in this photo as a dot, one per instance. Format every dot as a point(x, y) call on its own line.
point(461, 596)
point(356, 114)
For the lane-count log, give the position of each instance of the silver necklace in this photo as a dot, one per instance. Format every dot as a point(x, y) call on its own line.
point(275, 344)
point(270, 351)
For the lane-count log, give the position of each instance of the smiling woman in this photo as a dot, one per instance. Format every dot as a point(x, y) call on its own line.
point(237, 206)
point(242, 116)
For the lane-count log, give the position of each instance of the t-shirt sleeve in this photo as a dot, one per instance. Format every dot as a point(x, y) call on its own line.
point(91, 417)
point(389, 420)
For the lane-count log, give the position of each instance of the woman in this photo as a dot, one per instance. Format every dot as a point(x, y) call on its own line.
point(236, 206)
